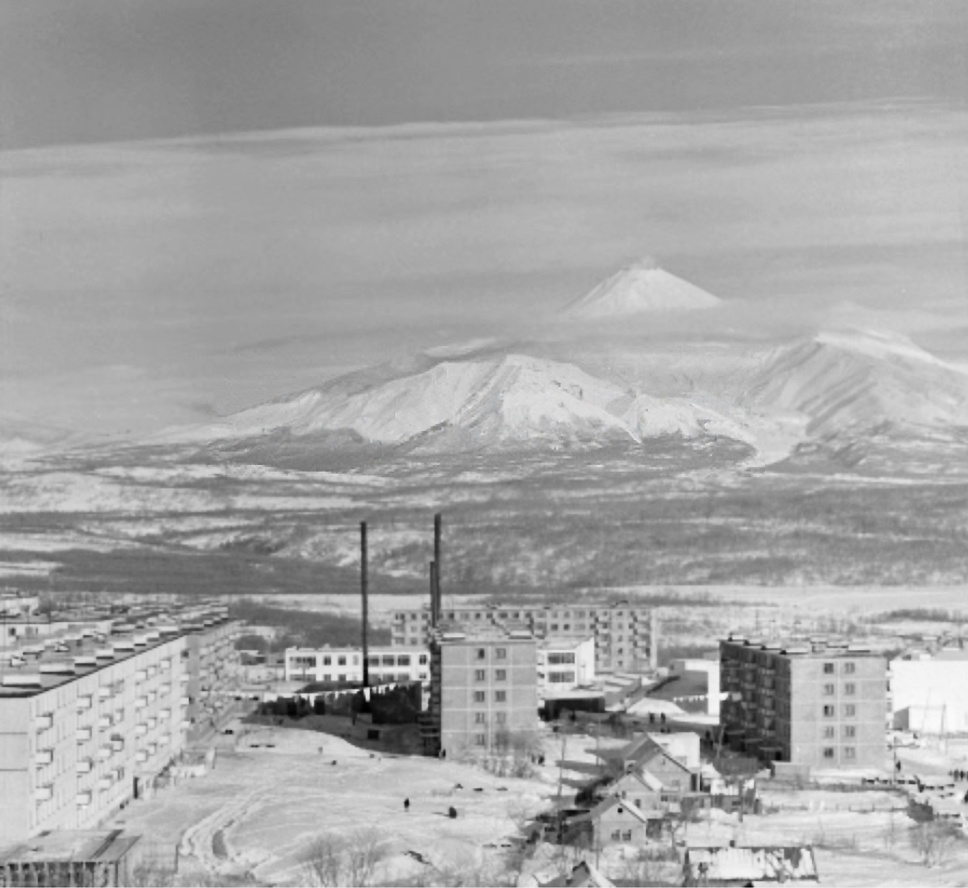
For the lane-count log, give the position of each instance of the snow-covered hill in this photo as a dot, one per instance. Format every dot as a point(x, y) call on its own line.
point(639, 289)
point(509, 400)
point(846, 383)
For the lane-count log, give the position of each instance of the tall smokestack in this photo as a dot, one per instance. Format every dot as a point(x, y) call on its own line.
point(433, 595)
point(366, 615)
point(437, 595)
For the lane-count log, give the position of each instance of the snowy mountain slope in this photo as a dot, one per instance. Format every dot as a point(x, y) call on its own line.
point(502, 400)
point(640, 288)
point(846, 382)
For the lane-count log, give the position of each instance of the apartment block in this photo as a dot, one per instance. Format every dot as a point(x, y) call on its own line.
point(88, 719)
point(624, 634)
point(386, 664)
point(813, 702)
point(483, 692)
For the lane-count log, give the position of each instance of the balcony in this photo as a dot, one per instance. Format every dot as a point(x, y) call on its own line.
point(104, 783)
point(140, 730)
point(117, 744)
point(141, 756)
point(44, 793)
point(43, 757)
point(104, 692)
point(84, 734)
point(84, 703)
point(141, 675)
point(85, 766)
point(104, 752)
point(83, 799)
point(45, 722)
point(140, 703)
point(104, 722)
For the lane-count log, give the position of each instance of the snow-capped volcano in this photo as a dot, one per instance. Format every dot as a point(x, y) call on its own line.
point(640, 288)
point(843, 382)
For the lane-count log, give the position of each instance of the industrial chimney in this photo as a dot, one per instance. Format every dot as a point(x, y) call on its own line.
point(437, 596)
point(363, 592)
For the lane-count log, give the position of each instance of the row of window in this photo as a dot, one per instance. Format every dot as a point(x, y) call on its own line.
point(849, 731)
point(829, 752)
point(374, 660)
point(480, 718)
point(831, 689)
point(829, 710)
point(499, 696)
point(499, 675)
point(499, 653)
point(561, 677)
point(831, 668)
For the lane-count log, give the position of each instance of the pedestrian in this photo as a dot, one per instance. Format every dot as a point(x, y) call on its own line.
point(452, 812)
point(406, 804)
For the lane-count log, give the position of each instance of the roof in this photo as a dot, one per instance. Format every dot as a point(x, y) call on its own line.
point(761, 863)
point(101, 846)
point(646, 778)
point(584, 875)
point(606, 805)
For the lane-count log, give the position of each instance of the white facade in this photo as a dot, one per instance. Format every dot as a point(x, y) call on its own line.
point(386, 664)
point(698, 667)
point(564, 664)
point(930, 695)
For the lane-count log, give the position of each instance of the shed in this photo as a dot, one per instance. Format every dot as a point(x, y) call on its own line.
point(731, 865)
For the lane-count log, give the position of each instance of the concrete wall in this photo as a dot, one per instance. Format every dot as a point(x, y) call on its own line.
point(707, 669)
point(930, 695)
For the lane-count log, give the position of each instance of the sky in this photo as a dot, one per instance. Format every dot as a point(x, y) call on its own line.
point(208, 203)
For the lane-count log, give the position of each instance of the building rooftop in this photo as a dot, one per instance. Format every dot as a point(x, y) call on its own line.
point(46, 662)
point(804, 646)
point(60, 846)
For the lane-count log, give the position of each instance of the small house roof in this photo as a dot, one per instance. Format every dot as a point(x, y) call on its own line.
point(762, 863)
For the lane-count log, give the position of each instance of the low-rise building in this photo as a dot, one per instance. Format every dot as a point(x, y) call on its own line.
point(815, 702)
point(345, 665)
point(927, 691)
point(565, 664)
point(75, 857)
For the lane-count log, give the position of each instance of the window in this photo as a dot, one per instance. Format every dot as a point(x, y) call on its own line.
point(828, 732)
point(850, 710)
point(850, 731)
point(479, 718)
point(327, 661)
point(342, 677)
point(828, 711)
point(828, 752)
point(561, 677)
point(500, 674)
point(341, 660)
point(403, 660)
point(423, 660)
point(479, 696)
point(501, 696)
point(501, 653)
point(558, 659)
point(850, 752)
point(850, 668)
point(479, 675)
point(481, 654)
point(501, 717)
point(828, 690)
point(828, 668)
point(616, 835)
point(850, 688)
point(480, 739)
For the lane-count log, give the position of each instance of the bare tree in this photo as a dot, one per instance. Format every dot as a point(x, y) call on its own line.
point(351, 859)
point(933, 841)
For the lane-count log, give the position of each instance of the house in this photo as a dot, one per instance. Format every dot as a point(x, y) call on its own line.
point(743, 866)
point(675, 777)
point(613, 821)
point(640, 788)
point(584, 875)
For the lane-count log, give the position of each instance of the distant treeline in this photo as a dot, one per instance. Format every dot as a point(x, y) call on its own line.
point(923, 614)
point(300, 628)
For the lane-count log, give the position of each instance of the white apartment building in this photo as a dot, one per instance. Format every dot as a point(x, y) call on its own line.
point(624, 633)
point(88, 720)
point(929, 692)
point(386, 664)
point(564, 664)
point(85, 724)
